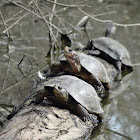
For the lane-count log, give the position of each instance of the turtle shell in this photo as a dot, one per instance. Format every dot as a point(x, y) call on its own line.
point(81, 91)
point(92, 65)
point(112, 48)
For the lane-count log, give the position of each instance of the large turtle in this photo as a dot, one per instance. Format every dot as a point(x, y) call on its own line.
point(91, 64)
point(83, 66)
point(73, 93)
point(111, 51)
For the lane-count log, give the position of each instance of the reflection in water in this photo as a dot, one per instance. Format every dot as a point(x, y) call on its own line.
point(120, 86)
point(112, 124)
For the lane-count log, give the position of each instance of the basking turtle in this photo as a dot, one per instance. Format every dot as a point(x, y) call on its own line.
point(111, 51)
point(91, 64)
point(74, 93)
point(83, 66)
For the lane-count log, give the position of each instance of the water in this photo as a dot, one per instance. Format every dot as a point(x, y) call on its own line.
point(30, 46)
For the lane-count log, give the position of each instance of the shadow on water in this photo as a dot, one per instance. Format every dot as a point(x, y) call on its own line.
point(31, 42)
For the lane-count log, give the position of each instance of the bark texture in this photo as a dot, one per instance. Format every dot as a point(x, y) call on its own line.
point(37, 122)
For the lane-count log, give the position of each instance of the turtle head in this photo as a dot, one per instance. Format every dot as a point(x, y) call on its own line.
point(61, 94)
point(73, 59)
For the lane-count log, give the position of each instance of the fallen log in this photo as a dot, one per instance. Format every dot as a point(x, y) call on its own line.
point(41, 122)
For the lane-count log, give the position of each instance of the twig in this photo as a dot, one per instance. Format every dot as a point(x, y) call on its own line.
point(13, 24)
point(124, 128)
point(65, 5)
point(4, 24)
point(21, 63)
point(132, 91)
point(113, 12)
point(109, 21)
point(100, 7)
point(119, 134)
point(52, 45)
point(53, 9)
point(22, 80)
point(50, 20)
point(61, 19)
point(129, 107)
point(44, 19)
point(137, 64)
point(34, 14)
point(17, 13)
point(5, 77)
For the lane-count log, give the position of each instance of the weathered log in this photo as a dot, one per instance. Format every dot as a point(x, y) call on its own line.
point(41, 122)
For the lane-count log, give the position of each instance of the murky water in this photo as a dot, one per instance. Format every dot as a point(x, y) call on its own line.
point(30, 45)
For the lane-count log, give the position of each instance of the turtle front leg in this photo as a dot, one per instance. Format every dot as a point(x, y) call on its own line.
point(98, 85)
point(79, 110)
point(47, 92)
point(91, 79)
point(40, 96)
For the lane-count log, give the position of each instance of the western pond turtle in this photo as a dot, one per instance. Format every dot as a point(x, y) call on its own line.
point(74, 93)
point(91, 64)
point(82, 66)
point(111, 51)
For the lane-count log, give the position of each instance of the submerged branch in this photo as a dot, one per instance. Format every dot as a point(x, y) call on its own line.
point(119, 134)
point(22, 80)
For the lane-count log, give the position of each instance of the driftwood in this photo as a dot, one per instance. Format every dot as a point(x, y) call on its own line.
point(42, 122)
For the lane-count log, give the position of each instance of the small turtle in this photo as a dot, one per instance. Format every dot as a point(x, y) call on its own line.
point(74, 94)
point(82, 66)
point(111, 51)
point(72, 66)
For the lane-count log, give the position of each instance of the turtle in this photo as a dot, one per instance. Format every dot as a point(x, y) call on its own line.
point(110, 50)
point(91, 64)
point(73, 93)
point(83, 66)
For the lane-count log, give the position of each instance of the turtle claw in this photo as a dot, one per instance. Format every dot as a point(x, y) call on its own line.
point(91, 117)
point(100, 90)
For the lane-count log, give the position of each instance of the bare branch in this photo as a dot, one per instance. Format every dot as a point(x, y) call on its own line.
point(20, 81)
point(109, 21)
point(35, 14)
point(65, 5)
point(137, 64)
point(4, 24)
point(45, 20)
point(62, 20)
point(14, 24)
point(5, 78)
point(17, 13)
